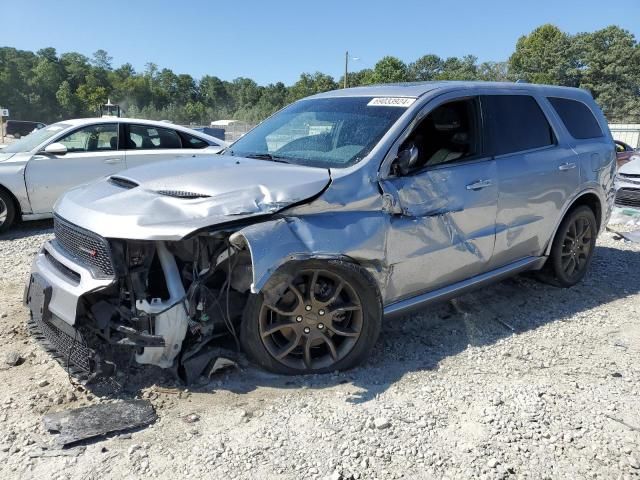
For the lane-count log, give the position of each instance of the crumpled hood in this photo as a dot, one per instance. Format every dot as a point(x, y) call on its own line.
point(229, 188)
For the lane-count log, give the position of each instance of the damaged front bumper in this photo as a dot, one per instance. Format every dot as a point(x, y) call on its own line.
point(53, 295)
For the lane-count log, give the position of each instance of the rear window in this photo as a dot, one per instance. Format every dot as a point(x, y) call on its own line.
point(189, 141)
point(577, 117)
point(516, 123)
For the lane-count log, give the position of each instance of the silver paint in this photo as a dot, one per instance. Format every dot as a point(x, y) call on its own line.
point(415, 235)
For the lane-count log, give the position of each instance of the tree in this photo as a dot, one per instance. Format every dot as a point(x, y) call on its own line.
point(611, 70)
point(546, 55)
point(102, 60)
point(310, 84)
point(426, 68)
point(389, 70)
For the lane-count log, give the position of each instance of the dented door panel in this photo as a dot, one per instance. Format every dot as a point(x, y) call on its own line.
point(446, 231)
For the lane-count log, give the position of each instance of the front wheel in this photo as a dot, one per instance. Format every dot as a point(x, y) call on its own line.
point(315, 317)
point(572, 249)
point(7, 211)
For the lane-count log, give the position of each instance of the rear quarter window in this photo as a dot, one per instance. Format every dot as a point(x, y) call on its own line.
point(189, 141)
point(577, 117)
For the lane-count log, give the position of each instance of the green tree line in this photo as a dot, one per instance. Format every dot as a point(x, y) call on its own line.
point(48, 87)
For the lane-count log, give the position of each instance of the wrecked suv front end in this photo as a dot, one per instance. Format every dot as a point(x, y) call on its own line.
point(279, 243)
point(158, 278)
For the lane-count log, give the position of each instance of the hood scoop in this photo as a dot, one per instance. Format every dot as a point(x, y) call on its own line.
point(123, 182)
point(182, 194)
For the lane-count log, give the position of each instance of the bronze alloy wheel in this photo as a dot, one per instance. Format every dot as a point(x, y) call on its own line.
point(576, 246)
point(315, 322)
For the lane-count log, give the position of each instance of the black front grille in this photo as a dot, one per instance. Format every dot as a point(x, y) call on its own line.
point(71, 351)
point(87, 247)
point(628, 197)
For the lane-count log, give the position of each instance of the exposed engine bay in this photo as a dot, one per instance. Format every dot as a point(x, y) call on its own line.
point(169, 300)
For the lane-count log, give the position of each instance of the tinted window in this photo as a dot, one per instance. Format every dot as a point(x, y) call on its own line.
point(516, 123)
point(93, 138)
point(148, 137)
point(447, 134)
point(189, 141)
point(577, 117)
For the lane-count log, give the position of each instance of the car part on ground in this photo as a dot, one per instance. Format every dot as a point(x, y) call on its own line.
point(315, 224)
point(78, 424)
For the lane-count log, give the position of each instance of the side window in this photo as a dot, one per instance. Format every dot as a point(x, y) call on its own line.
point(94, 138)
point(577, 117)
point(516, 123)
point(189, 141)
point(147, 137)
point(450, 133)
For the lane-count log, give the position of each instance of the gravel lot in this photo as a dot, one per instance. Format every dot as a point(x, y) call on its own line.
point(520, 380)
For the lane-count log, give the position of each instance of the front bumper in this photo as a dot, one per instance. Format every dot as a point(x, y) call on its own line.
point(68, 280)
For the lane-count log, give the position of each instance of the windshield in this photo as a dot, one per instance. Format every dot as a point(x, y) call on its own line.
point(324, 132)
point(34, 139)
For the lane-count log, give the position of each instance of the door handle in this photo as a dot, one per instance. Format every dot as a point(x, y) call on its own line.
point(111, 161)
point(479, 185)
point(567, 166)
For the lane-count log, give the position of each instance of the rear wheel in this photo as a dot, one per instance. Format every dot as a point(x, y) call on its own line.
point(317, 317)
point(572, 249)
point(7, 211)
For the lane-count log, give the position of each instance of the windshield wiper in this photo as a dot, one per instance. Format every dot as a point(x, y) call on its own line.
point(267, 156)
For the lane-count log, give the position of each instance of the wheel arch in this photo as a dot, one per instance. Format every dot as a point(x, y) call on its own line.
point(589, 198)
point(14, 199)
point(274, 244)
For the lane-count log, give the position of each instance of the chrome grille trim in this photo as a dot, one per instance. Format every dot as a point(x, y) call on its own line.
point(628, 197)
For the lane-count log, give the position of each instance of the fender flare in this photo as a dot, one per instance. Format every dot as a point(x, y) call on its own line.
point(569, 204)
point(275, 243)
point(272, 245)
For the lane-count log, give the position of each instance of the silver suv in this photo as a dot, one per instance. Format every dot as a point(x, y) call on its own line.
point(339, 210)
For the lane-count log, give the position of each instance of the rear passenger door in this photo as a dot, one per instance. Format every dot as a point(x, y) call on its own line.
point(145, 144)
point(537, 173)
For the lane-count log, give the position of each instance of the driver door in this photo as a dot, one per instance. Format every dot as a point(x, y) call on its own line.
point(92, 152)
point(447, 202)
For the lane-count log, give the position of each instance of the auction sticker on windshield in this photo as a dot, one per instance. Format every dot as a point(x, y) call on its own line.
point(390, 102)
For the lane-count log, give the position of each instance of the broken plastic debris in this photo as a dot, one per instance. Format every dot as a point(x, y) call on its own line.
point(88, 422)
point(222, 363)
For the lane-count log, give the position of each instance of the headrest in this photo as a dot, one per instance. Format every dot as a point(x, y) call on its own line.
point(445, 119)
point(460, 138)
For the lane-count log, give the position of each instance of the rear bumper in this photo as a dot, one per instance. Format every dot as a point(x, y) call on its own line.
point(68, 280)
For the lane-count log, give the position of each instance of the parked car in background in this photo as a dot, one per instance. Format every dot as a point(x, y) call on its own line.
point(37, 169)
point(624, 152)
point(339, 209)
point(628, 184)
point(20, 128)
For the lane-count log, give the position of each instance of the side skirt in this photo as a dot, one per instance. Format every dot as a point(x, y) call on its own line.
point(446, 293)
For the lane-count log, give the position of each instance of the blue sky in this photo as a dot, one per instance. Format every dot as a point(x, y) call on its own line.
point(273, 41)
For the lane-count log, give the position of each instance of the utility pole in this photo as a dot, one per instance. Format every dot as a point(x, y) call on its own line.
point(346, 68)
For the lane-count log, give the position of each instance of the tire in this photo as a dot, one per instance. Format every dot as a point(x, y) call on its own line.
point(292, 320)
point(7, 211)
point(573, 246)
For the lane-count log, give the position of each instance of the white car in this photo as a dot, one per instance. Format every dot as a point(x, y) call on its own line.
point(40, 167)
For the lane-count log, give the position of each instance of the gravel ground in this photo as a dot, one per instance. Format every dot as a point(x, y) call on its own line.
point(520, 380)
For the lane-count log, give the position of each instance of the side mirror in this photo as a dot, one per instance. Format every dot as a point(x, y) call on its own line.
point(55, 149)
point(406, 160)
